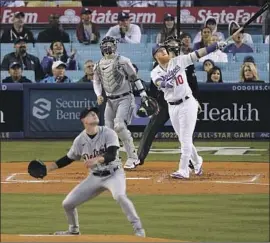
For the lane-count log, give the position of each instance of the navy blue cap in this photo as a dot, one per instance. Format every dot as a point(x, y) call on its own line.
point(156, 48)
point(123, 15)
point(168, 16)
point(15, 64)
point(20, 39)
point(249, 59)
point(85, 112)
point(86, 11)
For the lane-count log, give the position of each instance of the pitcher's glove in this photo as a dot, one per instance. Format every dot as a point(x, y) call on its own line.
point(149, 107)
point(37, 169)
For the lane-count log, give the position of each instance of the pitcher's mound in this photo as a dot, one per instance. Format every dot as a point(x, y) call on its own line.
point(80, 238)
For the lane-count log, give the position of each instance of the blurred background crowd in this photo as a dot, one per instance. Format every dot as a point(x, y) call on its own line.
point(59, 54)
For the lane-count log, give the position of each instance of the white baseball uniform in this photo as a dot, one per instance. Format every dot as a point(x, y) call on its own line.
point(183, 108)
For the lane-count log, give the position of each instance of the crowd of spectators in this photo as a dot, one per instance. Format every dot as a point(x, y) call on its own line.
point(128, 3)
point(52, 67)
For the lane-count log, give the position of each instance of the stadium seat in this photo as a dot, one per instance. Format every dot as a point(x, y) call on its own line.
point(257, 38)
point(201, 76)
point(75, 76)
point(259, 57)
point(27, 73)
point(144, 75)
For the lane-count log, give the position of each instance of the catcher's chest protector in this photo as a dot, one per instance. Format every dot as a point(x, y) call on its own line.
point(111, 74)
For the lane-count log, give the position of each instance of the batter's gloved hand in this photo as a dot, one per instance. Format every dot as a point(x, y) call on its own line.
point(167, 84)
point(149, 107)
point(221, 45)
point(37, 169)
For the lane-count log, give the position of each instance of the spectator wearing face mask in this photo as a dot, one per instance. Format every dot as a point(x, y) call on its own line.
point(168, 29)
point(238, 46)
point(217, 56)
point(87, 32)
point(233, 25)
point(26, 60)
point(205, 39)
point(58, 74)
point(17, 30)
point(54, 32)
point(124, 31)
point(57, 52)
point(212, 24)
point(214, 75)
point(15, 72)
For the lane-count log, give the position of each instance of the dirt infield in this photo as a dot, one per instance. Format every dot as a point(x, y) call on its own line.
point(151, 178)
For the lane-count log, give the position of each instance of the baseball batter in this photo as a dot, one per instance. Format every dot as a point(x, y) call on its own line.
point(115, 73)
point(170, 77)
point(98, 146)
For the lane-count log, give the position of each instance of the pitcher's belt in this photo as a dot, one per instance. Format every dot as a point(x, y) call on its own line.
point(114, 97)
point(103, 173)
point(178, 102)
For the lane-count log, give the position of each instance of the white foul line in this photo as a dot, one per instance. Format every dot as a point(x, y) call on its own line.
point(48, 235)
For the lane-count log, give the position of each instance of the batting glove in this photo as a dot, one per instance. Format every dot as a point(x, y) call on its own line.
point(221, 45)
point(166, 84)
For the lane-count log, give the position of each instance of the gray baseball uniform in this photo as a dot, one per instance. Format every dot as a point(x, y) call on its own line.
point(85, 147)
point(115, 75)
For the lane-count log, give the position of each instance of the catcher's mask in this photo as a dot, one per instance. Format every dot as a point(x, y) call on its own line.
point(108, 45)
point(173, 44)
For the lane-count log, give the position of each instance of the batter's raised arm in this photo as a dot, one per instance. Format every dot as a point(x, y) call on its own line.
point(196, 55)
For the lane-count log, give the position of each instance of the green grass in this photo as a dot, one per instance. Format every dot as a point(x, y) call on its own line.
point(52, 150)
point(215, 218)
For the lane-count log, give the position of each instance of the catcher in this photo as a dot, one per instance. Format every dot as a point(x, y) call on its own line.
point(115, 73)
point(98, 146)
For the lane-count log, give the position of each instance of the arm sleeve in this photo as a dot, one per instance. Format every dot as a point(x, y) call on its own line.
point(110, 154)
point(135, 37)
point(73, 152)
point(156, 78)
point(183, 60)
point(64, 161)
point(97, 83)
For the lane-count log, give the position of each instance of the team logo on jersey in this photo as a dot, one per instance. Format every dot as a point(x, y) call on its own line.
point(42, 108)
point(171, 74)
point(96, 153)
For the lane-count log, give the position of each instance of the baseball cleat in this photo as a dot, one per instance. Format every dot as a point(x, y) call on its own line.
point(199, 172)
point(66, 233)
point(177, 175)
point(131, 163)
point(140, 232)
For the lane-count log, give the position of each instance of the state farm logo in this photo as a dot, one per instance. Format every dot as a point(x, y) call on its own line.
point(42, 108)
point(69, 17)
point(8, 14)
point(186, 17)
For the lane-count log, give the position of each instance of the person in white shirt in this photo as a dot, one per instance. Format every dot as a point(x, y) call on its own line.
point(125, 32)
point(212, 24)
point(12, 3)
point(267, 39)
point(170, 77)
point(217, 56)
point(135, 3)
point(247, 38)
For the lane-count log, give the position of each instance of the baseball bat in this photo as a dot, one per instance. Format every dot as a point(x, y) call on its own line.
point(252, 18)
point(178, 18)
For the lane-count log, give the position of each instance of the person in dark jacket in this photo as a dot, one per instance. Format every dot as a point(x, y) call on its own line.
point(89, 72)
point(17, 30)
point(26, 60)
point(15, 71)
point(57, 52)
point(54, 32)
point(86, 31)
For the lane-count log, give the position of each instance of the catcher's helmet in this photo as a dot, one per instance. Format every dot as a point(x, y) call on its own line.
point(108, 45)
point(173, 44)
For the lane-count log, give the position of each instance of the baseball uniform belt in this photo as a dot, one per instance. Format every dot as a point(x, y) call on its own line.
point(104, 173)
point(178, 102)
point(114, 97)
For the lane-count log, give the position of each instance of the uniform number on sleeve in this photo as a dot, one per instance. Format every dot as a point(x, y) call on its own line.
point(179, 80)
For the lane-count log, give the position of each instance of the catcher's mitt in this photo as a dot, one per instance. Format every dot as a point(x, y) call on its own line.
point(37, 169)
point(149, 107)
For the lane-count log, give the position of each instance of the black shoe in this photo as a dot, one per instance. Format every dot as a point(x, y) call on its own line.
point(141, 162)
point(190, 165)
